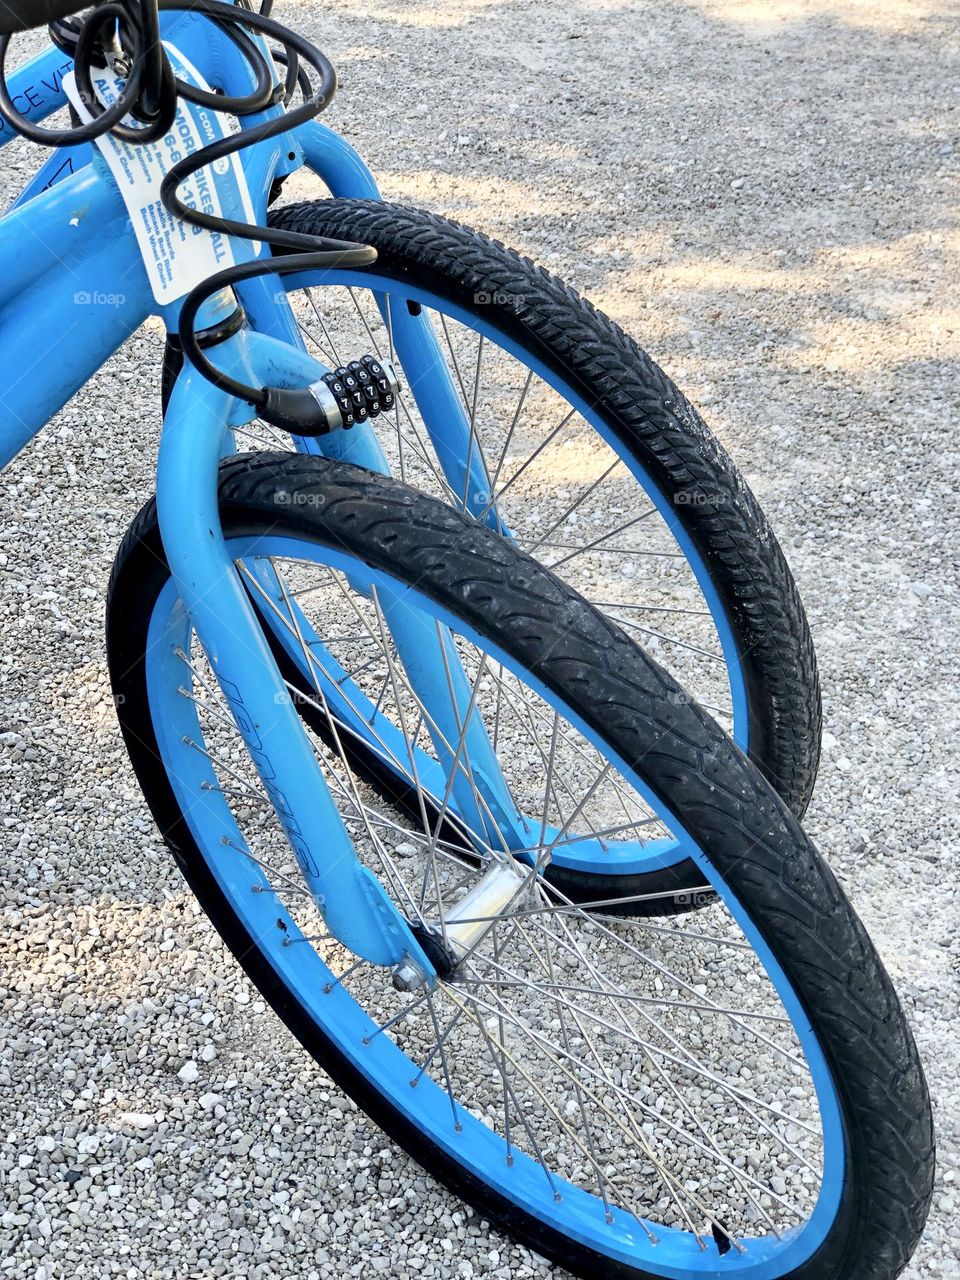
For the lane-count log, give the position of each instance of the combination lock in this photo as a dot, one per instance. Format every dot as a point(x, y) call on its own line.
point(353, 393)
point(363, 389)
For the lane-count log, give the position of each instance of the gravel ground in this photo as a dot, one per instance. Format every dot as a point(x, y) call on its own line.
point(765, 195)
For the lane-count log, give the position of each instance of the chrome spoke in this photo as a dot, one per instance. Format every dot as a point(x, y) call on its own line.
point(510, 432)
point(680, 644)
point(472, 438)
point(618, 551)
point(612, 533)
point(531, 547)
point(497, 497)
point(323, 325)
point(648, 608)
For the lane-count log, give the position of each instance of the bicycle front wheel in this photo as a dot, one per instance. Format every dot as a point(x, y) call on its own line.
point(630, 1098)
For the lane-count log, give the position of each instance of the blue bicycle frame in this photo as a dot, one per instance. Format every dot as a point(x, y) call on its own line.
point(73, 282)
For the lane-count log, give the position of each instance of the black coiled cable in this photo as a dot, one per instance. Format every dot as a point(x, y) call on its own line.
point(129, 30)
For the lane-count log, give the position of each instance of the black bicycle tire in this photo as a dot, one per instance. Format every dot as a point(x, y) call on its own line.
point(650, 417)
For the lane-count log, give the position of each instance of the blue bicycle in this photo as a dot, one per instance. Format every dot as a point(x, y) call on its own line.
point(445, 811)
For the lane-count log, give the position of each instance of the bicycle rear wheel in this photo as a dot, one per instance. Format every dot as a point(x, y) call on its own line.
point(586, 453)
point(563, 434)
point(629, 1098)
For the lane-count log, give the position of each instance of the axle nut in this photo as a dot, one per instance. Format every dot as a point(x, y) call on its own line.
point(408, 976)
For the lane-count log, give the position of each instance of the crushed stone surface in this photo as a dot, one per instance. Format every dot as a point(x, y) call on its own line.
point(765, 195)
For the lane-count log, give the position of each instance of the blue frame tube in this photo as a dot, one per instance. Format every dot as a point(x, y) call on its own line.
point(344, 173)
point(70, 267)
point(59, 232)
point(84, 312)
point(430, 661)
point(37, 88)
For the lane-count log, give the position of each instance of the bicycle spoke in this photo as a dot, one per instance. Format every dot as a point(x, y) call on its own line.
point(323, 325)
point(612, 533)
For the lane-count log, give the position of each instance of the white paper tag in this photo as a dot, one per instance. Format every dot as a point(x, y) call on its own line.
point(177, 255)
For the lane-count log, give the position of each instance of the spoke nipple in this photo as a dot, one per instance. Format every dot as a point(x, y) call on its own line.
point(458, 1127)
point(609, 1217)
point(256, 888)
point(365, 1040)
point(327, 988)
point(510, 1161)
point(414, 1082)
point(557, 1196)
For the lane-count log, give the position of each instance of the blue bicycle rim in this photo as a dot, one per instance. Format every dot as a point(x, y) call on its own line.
point(589, 858)
point(577, 1213)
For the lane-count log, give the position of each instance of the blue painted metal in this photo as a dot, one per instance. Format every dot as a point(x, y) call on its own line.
point(37, 88)
point(336, 163)
point(351, 899)
point(71, 275)
point(79, 314)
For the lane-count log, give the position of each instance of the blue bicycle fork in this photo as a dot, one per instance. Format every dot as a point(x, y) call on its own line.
point(354, 904)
